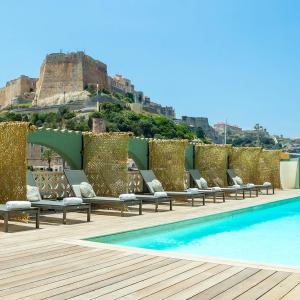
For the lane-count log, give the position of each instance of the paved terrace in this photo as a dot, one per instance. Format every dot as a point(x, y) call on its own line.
point(53, 262)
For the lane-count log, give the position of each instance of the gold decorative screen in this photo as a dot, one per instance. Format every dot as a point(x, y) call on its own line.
point(167, 160)
point(105, 162)
point(13, 164)
point(269, 167)
point(244, 161)
point(211, 161)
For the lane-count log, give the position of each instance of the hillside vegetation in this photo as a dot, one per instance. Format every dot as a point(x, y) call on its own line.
point(117, 118)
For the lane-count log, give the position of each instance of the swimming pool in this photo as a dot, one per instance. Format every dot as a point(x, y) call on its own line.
point(268, 233)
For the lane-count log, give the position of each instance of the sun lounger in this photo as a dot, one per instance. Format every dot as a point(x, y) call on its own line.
point(149, 177)
point(76, 177)
point(57, 205)
point(257, 187)
point(215, 191)
point(7, 212)
point(196, 176)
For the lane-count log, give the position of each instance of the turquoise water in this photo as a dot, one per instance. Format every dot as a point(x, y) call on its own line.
point(265, 234)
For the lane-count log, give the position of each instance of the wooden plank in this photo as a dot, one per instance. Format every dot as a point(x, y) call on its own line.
point(53, 283)
point(31, 252)
point(225, 284)
point(109, 279)
point(283, 288)
point(205, 284)
point(22, 269)
point(164, 282)
point(37, 274)
point(293, 294)
point(122, 289)
point(88, 280)
point(40, 257)
point(115, 290)
point(264, 286)
point(244, 285)
point(187, 283)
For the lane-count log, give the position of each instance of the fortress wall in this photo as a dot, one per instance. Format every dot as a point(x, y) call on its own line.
point(69, 73)
point(2, 97)
point(15, 88)
point(60, 73)
point(94, 72)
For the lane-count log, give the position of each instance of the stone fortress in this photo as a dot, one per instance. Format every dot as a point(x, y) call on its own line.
point(65, 77)
point(64, 74)
point(23, 87)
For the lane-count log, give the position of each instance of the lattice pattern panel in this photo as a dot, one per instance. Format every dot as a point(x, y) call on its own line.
point(244, 161)
point(211, 161)
point(269, 167)
point(167, 160)
point(13, 163)
point(135, 182)
point(187, 181)
point(52, 185)
point(105, 162)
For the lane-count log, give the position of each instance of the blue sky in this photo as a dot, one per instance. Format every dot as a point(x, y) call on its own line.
point(234, 59)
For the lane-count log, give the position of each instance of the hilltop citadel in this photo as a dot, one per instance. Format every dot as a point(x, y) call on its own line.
point(66, 77)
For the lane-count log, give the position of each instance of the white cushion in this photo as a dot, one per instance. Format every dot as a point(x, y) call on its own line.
point(33, 193)
point(238, 180)
point(236, 186)
point(203, 183)
point(267, 183)
point(157, 186)
point(86, 190)
point(72, 201)
point(193, 190)
point(17, 204)
point(198, 182)
point(216, 189)
point(124, 197)
point(250, 185)
point(76, 190)
point(160, 194)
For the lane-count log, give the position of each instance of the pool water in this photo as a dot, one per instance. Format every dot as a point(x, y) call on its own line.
point(268, 233)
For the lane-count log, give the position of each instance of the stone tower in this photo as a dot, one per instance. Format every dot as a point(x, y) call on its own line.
point(62, 74)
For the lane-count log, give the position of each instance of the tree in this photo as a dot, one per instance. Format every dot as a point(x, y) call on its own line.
point(48, 155)
point(200, 133)
point(130, 97)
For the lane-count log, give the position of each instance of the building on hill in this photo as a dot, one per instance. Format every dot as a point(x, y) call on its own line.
point(63, 73)
point(120, 84)
point(36, 162)
point(155, 108)
point(20, 88)
point(201, 123)
point(220, 127)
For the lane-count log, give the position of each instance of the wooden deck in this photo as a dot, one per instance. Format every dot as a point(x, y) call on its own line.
point(50, 264)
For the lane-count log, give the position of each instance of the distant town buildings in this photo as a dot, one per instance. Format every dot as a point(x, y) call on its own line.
point(201, 123)
point(120, 84)
point(220, 127)
point(35, 161)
